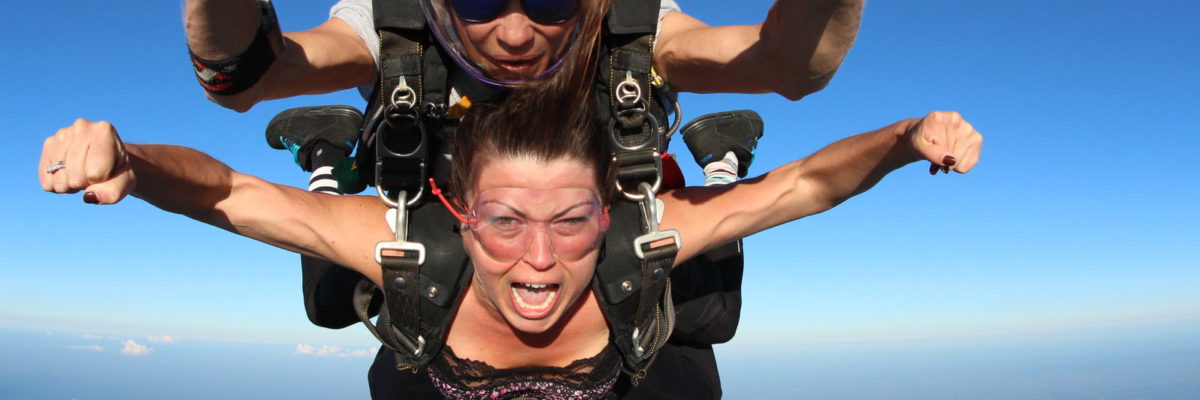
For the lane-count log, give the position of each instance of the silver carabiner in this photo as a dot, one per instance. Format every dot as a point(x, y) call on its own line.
point(401, 244)
point(649, 206)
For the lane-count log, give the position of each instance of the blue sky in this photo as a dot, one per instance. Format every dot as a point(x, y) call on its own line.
point(1081, 214)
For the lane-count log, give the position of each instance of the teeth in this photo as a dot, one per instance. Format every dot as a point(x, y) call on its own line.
point(546, 303)
point(535, 285)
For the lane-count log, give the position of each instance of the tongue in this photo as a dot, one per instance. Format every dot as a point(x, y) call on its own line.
point(533, 297)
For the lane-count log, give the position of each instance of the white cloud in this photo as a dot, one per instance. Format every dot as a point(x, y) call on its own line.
point(360, 353)
point(332, 351)
point(163, 339)
point(134, 348)
point(94, 348)
point(91, 336)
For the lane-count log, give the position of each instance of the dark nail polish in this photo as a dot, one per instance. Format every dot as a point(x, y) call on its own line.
point(949, 161)
point(933, 169)
point(90, 198)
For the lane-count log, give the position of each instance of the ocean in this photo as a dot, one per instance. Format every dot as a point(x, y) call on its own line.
point(1149, 360)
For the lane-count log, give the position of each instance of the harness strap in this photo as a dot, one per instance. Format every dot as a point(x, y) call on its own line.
point(420, 298)
point(395, 127)
point(637, 134)
point(401, 275)
point(634, 291)
point(638, 141)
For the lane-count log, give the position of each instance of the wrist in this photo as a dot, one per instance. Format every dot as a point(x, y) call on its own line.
point(905, 134)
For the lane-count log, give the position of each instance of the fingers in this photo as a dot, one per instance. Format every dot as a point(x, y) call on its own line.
point(76, 160)
point(110, 191)
point(86, 156)
point(49, 154)
point(947, 141)
point(971, 145)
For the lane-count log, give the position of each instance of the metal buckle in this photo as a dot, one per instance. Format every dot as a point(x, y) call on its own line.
point(402, 95)
point(629, 91)
point(401, 243)
point(650, 213)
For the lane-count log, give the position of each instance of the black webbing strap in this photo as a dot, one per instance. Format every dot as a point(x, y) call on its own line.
point(364, 294)
point(655, 313)
point(633, 294)
point(402, 276)
point(399, 14)
point(400, 142)
point(638, 142)
point(636, 133)
point(420, 300)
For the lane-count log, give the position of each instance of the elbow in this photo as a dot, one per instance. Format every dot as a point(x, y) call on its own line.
point(797, 88)
point(240, 102)
point(804, 76)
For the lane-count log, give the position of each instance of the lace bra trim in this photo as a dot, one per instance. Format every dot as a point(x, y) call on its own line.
point(587, 378)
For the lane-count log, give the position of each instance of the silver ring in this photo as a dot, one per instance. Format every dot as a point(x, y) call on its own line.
point(55, 166)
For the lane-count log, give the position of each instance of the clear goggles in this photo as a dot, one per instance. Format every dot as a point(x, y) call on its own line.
point(512, 222)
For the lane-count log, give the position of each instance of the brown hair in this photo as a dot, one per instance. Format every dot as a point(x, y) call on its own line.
point(528, 123)
point(546, 119)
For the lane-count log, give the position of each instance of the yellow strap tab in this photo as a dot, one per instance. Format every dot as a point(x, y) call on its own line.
point(459, 108)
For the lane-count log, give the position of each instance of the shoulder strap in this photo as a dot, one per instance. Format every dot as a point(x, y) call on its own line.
point(632, 278)
point(401, 14)
point(421, 283)
point(439, 284)
point(634, 291)
point(629, 94)
point(409, 103)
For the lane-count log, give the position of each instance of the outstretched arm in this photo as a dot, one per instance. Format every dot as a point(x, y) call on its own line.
point(324, 59)
point(710, 216)
point(185, 181)
point(794, 52)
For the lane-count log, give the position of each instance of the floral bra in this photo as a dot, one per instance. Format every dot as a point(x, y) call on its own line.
point(588, 378)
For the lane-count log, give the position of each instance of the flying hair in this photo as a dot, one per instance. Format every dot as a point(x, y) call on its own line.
point(526, 124)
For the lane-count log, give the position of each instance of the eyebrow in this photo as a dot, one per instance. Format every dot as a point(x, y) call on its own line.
point(557, 215)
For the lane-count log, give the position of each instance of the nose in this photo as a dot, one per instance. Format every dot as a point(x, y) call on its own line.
point(540, 255)
point(514, 29)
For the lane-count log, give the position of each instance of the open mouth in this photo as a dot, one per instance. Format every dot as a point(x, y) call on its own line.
point(534, 300)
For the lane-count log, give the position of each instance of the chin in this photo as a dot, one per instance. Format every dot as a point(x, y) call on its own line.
point(517, 73)
point(533, 326)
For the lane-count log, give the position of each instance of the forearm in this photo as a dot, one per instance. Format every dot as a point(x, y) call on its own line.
point(324, 59)
point(179, 179)
point(852, 165)
point(712, 216)
point(794, 52)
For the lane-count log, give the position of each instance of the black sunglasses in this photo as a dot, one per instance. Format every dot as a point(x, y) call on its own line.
point(545, 12)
